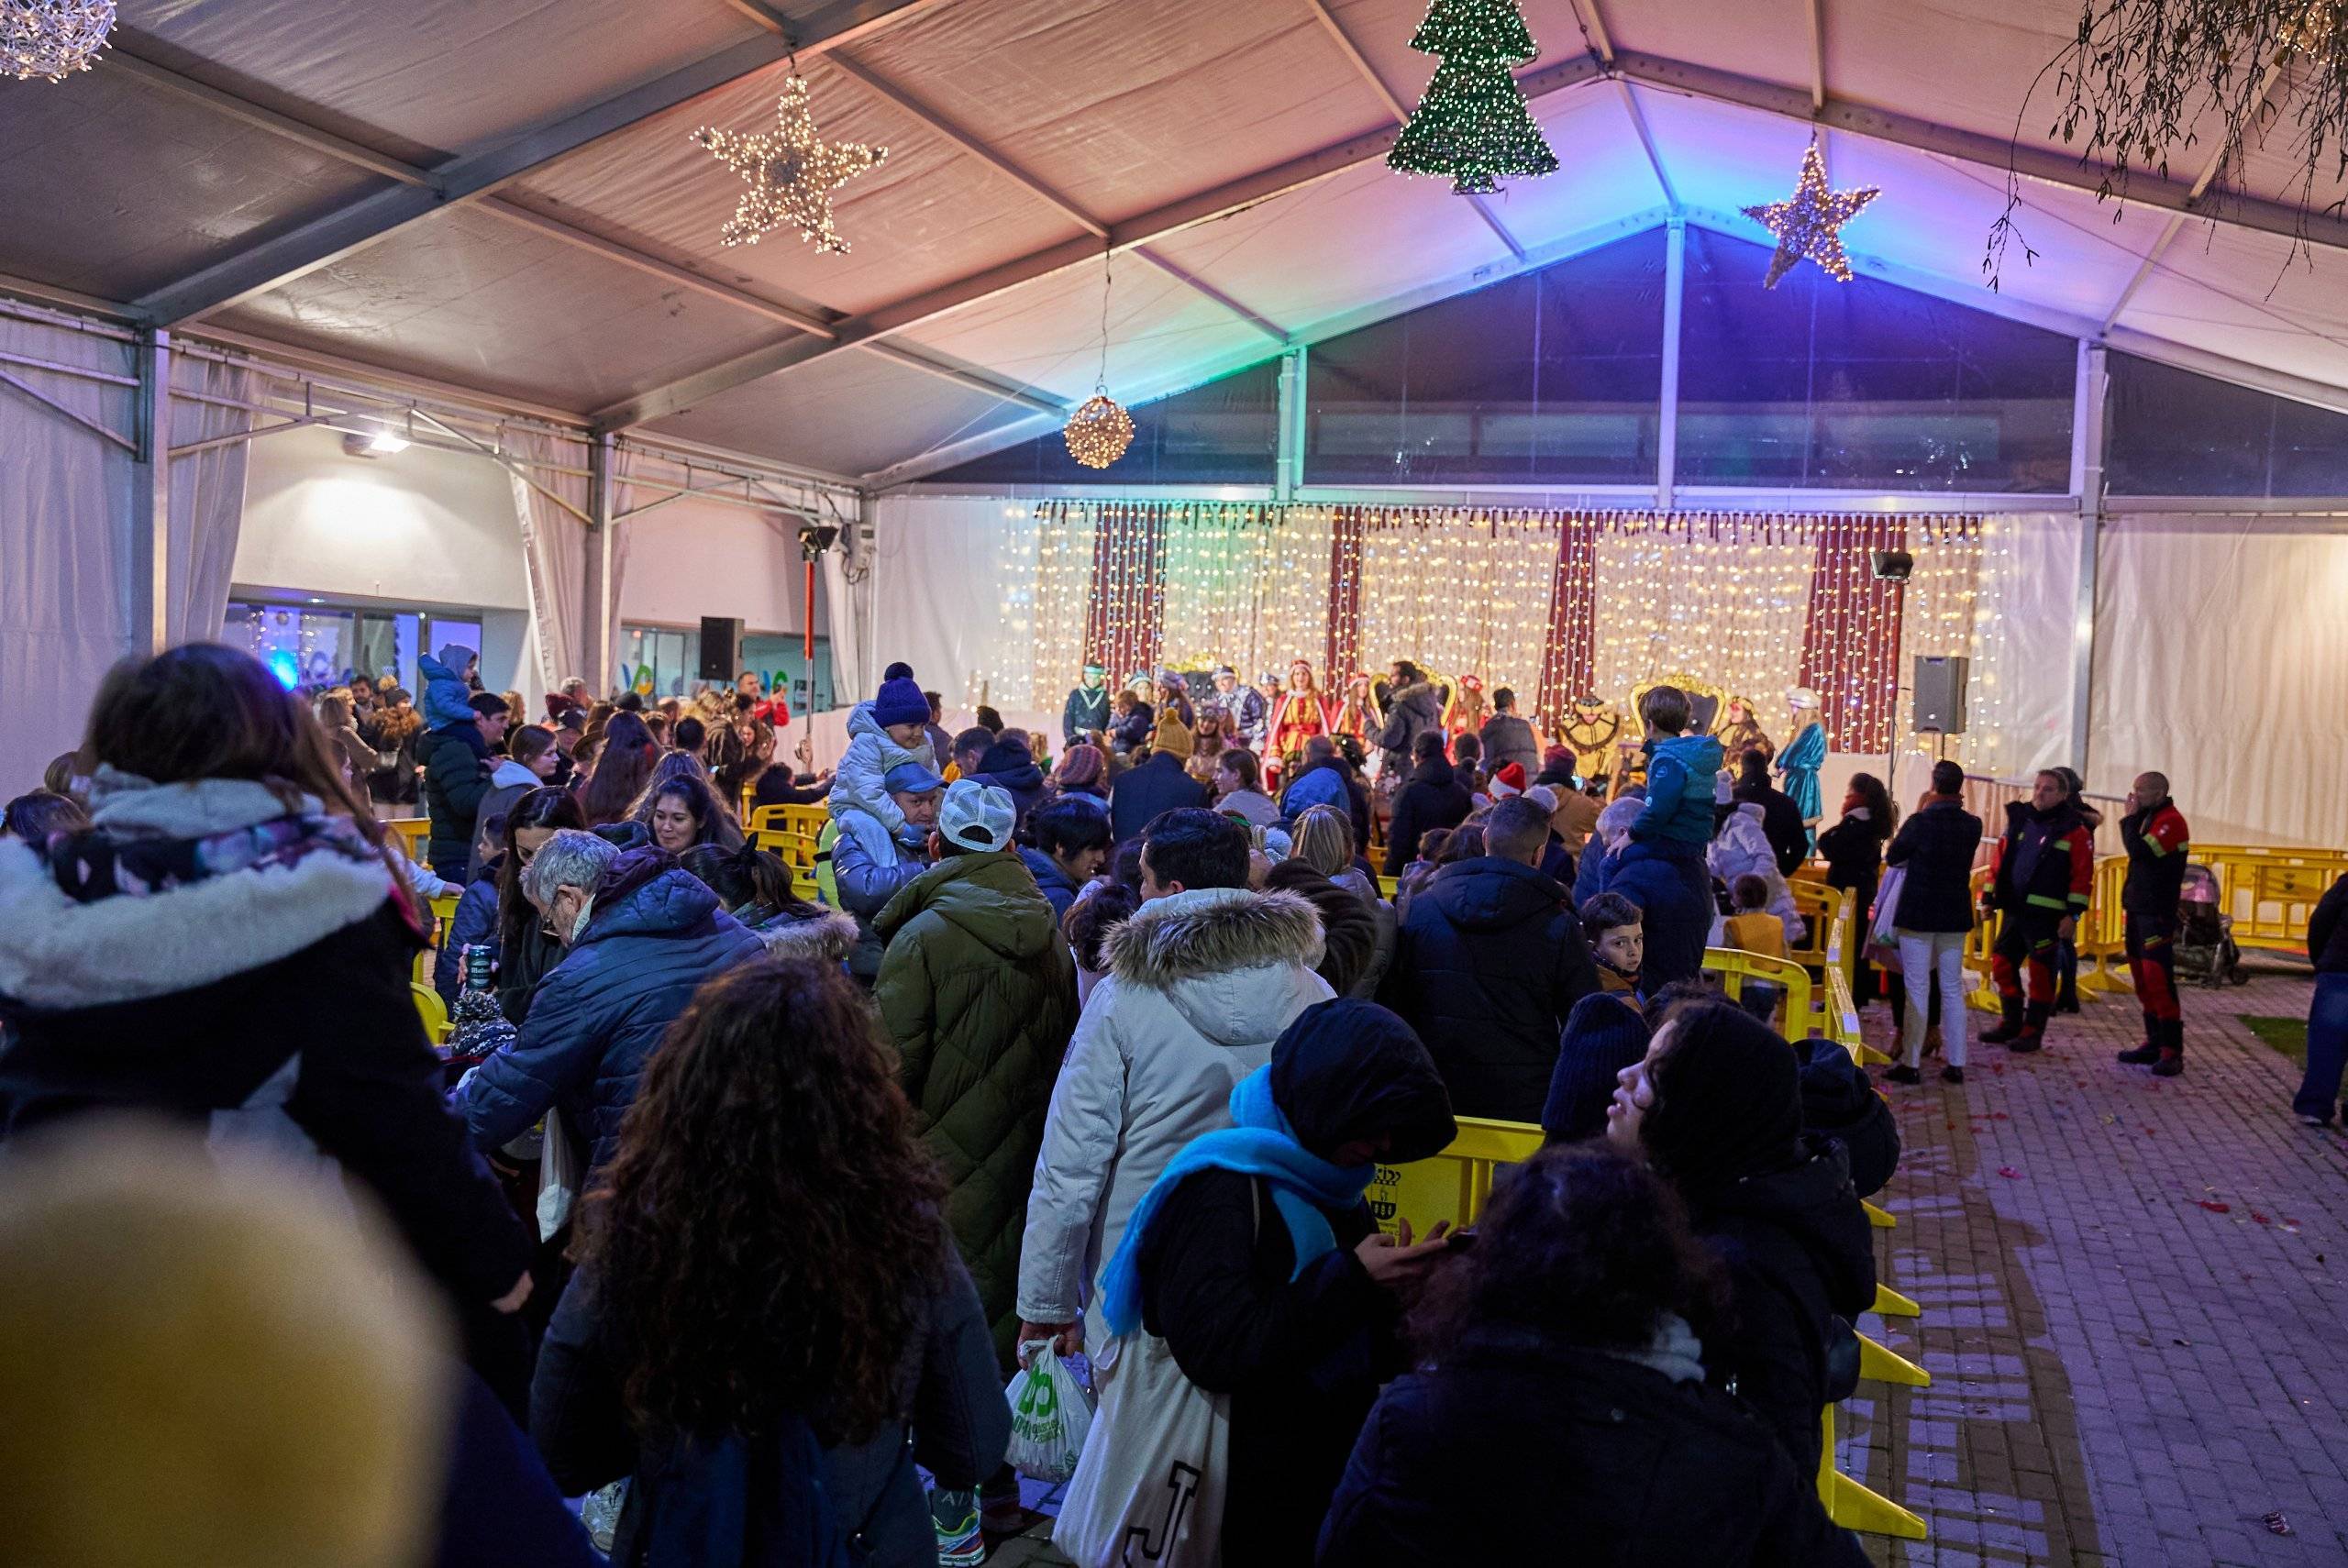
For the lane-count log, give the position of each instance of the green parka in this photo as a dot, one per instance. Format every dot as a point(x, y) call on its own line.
point(979, 991)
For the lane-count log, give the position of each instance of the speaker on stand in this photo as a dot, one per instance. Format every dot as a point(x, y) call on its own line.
point(721, 647)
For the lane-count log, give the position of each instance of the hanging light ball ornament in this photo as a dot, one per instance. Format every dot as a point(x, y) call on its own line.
point(53, 38)
point(1099, 431)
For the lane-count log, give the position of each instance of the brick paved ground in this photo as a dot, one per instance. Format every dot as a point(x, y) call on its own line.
point(2123, 1378)
point(2123, 1373)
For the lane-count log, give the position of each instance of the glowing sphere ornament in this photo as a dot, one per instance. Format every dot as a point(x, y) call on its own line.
point(1099, 432)
point(53, 38)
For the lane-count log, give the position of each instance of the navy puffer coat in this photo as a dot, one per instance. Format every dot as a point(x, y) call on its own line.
point(655, 934)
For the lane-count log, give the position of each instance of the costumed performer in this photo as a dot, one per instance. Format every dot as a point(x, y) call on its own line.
point(1743, 732)
point(1469, 711)
point(1302, 712)
point(1085, 718)
point(1798, 764)
point(1592, 728)
point(1243, 703)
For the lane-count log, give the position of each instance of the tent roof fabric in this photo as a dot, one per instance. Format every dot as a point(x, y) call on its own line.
point(258, 163)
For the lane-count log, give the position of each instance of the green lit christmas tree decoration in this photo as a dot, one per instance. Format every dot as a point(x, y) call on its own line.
point(1472, 123)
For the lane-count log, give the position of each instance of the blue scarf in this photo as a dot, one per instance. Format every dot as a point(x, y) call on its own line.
point(1261, 1143)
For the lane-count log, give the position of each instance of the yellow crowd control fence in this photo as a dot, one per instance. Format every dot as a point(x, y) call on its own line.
point(1735, 966)
point(1455, 1186)
point(431, 1009)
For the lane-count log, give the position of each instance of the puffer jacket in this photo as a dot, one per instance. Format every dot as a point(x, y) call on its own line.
point(1743, 849)
point(508, 782)
point(865, 882)
point(979, 992)
point(655, 934)
point(1487, 965)
point(811, 933)
point(456, 781)
point(1200, 984)
point(475, 922)
point(1509, 738)
point(1410, 711)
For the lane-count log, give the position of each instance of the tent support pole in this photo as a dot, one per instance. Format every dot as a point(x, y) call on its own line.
point(149, 556)
point(602, 517)
point(2086, 479)
point(1666, 438)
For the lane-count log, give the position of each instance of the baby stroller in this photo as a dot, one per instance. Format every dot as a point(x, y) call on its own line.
point(2205, 934)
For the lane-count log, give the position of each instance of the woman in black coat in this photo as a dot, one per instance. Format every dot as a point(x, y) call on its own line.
point(1715, 1107)
point(1936, 846)
point(229, 945)
point(1563, 1399)
point(769, 1328)
point(1299, 1351)
point(1854, 852)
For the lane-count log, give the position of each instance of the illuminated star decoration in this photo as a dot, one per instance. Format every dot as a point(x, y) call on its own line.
point(1809, 223)
point(791, 173)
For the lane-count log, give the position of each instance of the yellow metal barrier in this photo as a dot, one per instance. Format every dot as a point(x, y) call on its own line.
point(413, 832)
point(1734, 966)
point(431, 1009)
point(1455, 1185)
point(1843, 1020)
point(2270, 893)
point(2102, 937)
point(1829, 911)
point(1981, 945)
point(807, 820)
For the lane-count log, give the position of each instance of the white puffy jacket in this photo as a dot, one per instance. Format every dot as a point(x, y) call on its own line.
point(1198, 985)
point(1742, 849)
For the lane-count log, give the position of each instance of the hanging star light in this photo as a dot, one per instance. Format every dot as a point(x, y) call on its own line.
point(51, 38)
point(1810, 222)
point(791, 173)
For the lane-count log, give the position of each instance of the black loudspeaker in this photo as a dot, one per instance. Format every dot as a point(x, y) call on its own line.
point(1940, 695)
point(721, 647)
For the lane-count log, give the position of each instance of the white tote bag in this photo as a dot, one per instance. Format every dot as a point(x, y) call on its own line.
point(1150, 1486)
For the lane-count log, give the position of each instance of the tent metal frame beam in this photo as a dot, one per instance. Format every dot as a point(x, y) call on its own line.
point(76, 415)
point(1601, 48)
point(257, 268)
point(122, 55)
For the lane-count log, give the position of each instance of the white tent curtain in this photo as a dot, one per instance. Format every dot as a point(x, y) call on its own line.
point(207, 491)
point(2221, 660)
point(64, 553)
point(554, 542)
point(843, 624)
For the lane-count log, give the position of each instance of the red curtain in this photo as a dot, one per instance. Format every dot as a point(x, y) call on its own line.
point(1341, 655)
point(1850, 643)
point(1570, 663)
point(1128, 605)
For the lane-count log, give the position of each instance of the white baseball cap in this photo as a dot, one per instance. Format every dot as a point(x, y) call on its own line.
point(976, 816)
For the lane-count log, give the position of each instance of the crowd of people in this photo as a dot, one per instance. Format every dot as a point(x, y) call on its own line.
point(745, 1205)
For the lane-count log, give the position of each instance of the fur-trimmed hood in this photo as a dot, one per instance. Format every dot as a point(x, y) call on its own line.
point(825, 938)
point(1224, 958)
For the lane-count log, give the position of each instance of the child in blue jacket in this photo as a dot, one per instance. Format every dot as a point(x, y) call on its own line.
point(1682, 772)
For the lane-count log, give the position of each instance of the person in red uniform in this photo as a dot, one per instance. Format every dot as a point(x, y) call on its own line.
point(2043, 881)
point(2155, 832)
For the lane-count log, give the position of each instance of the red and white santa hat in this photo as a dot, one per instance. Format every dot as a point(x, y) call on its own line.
point(1509, 780)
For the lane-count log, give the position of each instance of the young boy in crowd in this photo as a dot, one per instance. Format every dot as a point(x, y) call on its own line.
point(1617, 936)
point(1682, 771)
point(888, 732)
point(1753, 927)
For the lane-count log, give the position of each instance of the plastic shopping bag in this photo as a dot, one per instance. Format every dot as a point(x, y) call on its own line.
point(1050, 1413)
point(558, 1178)
point(1882, 943)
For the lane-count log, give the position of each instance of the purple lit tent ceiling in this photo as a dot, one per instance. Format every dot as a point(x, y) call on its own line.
point(501, 195)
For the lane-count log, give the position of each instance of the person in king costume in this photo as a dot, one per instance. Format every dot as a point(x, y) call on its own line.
point(1303, 712)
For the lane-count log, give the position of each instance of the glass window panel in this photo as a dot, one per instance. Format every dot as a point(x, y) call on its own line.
point(1225, 432)
point(783, 658)
point(1861, 385)
point(2171, 432)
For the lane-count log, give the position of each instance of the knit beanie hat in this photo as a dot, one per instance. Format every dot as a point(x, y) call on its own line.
point(1604, 1035)
point(1173, 736)
point(1728, 1101)
point(900, 702)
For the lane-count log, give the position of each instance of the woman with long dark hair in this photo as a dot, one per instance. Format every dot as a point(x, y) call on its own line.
point(228, 943)
point(624, 765)
point(769, 1327)
point(1854, 852)
point(526, 949)
point(681, 811)
point(1561, 1387)
point(756, 887)
point(1715, 1108)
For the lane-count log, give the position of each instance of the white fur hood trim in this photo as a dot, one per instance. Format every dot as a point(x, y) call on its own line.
point(58, 954)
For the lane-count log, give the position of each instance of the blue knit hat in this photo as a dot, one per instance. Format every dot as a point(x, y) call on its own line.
point(1604, 1034)
point(900, 702)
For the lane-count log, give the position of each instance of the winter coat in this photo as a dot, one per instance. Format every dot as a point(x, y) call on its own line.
point(1591, 871)
point(1781, 821)
point(1674, 894)
point(500, 1507)
point(1198, 985)
point(1839, 1101)
point(696, 1503)
point(1488, 964)
point(1937, 845)
point(1682, 771)
point(1011, 767)
point(1576, 818)
point(2045, 862)
point(859, 781)
point(456, 780)
point(865, 882)
point(1250, 806)
point(508, 782)
point(1410, 711)
point(979, 992)
point(1854, 852)
point(654, 934)
point(1387, 926)
point(1515, 1440)
point(475, 922)
point(267, 1007)
point(811, 933)
point(1742, 849)
point(1508, 738)
point(1059, 889)
point(1139, 794)
point(1432, 799)
point(1799, 1255)
point(1134, 729)
point(2157, 841)
point(2328, 931)
point(1322, 784)
point(1084, 713)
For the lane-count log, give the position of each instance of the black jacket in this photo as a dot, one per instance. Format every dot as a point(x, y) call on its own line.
point(1780, 823)
point(689, 1498)
point(1839, 1101)
point(1410, 711)
point(1434, 797)
point(456, 780)
point(1010, 767)
point(1799, 1255)
point(2328, 931)
point(1517, 1441)
point(1139, 794)
point(1488, 963)
point(1854, 852)
point(2157, 842)
point(1937, 845)
point(1084, 715)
